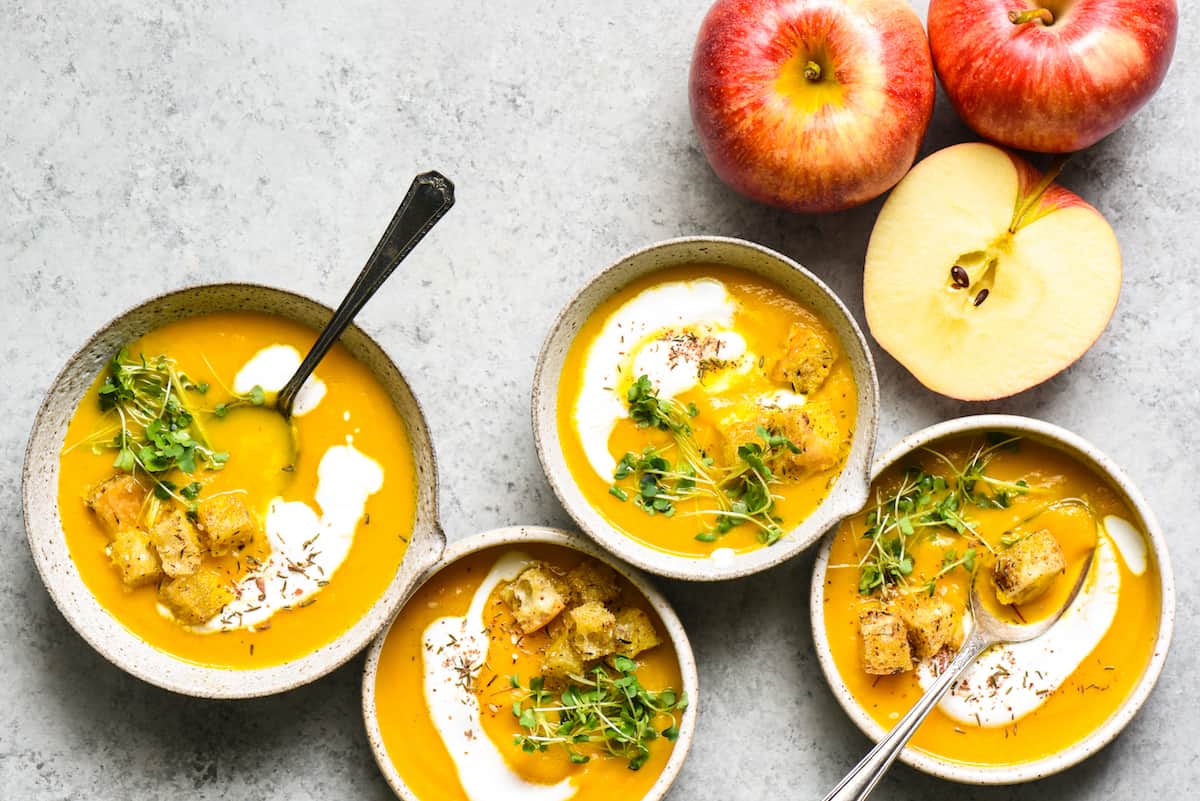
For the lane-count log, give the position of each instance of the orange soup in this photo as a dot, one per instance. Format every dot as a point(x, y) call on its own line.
point(1019, 519)
point(703, 408)
point(509, 675)
point(203, 524)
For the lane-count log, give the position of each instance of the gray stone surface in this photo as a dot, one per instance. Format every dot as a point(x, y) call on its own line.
point(147, 146)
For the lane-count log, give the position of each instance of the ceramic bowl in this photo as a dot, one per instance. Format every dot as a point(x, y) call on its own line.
point(521, 535)
point(44, 527)
point(848, 493)
point(1088, 455)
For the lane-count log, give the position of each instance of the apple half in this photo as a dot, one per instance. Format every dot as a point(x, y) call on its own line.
point(984, 277)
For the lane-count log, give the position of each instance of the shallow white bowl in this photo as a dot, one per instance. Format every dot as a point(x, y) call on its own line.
point(848, 493)
point(1090, 456)
point(519, 535)
point(43, 523)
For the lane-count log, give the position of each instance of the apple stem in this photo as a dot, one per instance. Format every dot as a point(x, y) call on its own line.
point(812, 71)
point(1029, 15)
point(1031, 200)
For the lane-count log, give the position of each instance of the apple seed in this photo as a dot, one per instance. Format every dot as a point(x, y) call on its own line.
point(981, 297)
point(960, 277)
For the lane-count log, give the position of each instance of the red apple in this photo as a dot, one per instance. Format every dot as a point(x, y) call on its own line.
point(1050, 75)
point(811, 105)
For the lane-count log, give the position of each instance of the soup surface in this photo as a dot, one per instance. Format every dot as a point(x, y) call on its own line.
point(472, 684)
point(195, 523)
point(1019, 518)
point(704, 411)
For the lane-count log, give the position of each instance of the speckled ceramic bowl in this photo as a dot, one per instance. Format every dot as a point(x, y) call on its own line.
point(1088, 455)
point(848, 493)
point(521, 535)
point(58, 570)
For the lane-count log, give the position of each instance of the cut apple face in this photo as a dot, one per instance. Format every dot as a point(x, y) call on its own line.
point(984, 278)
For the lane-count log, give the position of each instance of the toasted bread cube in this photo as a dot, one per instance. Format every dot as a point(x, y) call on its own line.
point(813, 429)
point(535, 597)
point(117, 502)
point(560, 660)
point(931, 622)
point(132, 554)
point(883, 643)
point(1028, 568)
point(593, 581)
point(196, 598)
point(226, 522)
point(807, 361)
point(177, 543)
point(634, 632)
point(593, 630)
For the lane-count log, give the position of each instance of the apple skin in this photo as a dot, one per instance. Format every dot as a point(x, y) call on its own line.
point(1052, 88)
point(811, 146)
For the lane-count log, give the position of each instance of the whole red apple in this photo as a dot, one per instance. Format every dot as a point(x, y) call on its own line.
point(811, 105)
point(1050, 75)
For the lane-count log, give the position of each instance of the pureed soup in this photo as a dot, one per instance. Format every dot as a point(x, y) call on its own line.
point(195, 524)
point(510, 674)
point(1019, 518)
point(704, 411)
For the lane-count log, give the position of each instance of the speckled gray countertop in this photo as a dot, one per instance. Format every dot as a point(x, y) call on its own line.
point(147, 146)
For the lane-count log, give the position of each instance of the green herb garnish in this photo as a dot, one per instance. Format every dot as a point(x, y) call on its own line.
point(597, 712)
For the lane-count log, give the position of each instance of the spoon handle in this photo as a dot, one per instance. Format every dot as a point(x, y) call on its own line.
point(860, 781)
point(429, 197)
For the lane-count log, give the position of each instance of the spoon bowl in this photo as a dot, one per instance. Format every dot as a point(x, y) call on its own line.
point(986, 630)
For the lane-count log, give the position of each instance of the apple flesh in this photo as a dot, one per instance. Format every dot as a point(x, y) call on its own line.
point(1053, 76)
point(811, 105)
point(985, 278)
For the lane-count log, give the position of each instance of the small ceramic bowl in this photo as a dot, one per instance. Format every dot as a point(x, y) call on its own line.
point(44, 526)
point(523, 535)
point(1093, 458)
point(848, 493)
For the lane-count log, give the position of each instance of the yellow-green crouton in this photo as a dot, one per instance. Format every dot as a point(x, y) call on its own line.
point(1028, 568)
point(593, 630)
point(117, 502)
point(133, 556)
point(226, 522)
point(634, 632)
point(196, 598)
point(593, 581)
point(883, 643)
point(560, 659)
point(807, 361)
point(534, 598)
point(177, 543)
point(931, 623)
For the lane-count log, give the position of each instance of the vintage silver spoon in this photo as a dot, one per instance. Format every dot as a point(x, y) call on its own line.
point(429, 197)
point(986, 632)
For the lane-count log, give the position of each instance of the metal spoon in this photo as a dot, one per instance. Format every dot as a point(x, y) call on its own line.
point(429, 197)
point(987, 631)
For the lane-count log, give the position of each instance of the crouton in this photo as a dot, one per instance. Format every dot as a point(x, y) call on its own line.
point(634, 632)
point(1028, 568)
point(806, 363)
point(560, 659)
point(593, 581)
point(593, 630)
point(931, 622)
point(535, 597)
point(133, 556)
point(117, 502)
point(812, 428)
point(883, 643)
point(196, 598)
point(177, 543)
point(226, 522)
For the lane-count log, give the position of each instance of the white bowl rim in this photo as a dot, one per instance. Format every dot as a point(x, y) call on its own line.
point(207, 681)
point(1102, 735)
point(515, 535)
point(851, 487)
